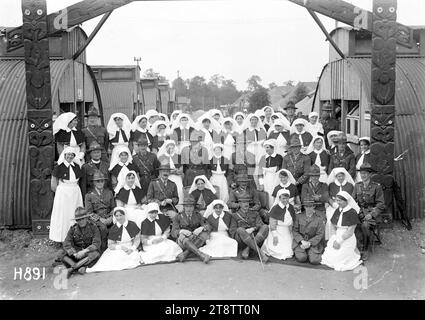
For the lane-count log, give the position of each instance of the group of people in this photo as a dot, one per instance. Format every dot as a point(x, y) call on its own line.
point(159, 189)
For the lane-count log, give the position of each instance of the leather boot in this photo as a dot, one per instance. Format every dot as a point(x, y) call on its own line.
point(245, 253)
point(68, 261)
point(81, 263)
point(182, 256)
point(250, 242)
point(204, 257)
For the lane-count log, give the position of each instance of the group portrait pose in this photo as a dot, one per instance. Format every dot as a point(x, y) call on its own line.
point(269, 185)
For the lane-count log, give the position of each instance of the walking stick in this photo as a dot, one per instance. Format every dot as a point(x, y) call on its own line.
point(258, 251)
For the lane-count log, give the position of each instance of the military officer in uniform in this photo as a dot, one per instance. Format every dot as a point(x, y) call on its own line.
point(297, 163)
point(370, 198)
point(94, 164)
point(189, 230)
point(100, 204)
point(251, 231)
point(82, 244)
point(329, 124)
point(164, 192)
point(147, 164)
point(316, 190)
point(94, 132)
point(308, 234)
point(343, 157)
point(243, 188)
point(290, 112)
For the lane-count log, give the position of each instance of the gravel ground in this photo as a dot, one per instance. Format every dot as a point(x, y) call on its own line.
point(396, 270)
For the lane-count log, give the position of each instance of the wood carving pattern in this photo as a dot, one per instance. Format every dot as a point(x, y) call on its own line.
point(384, 41)
point(39, 110)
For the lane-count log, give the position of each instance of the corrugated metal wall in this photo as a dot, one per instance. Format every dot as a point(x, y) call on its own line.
point(117, 97)
point(14, 161)
point(410, 118)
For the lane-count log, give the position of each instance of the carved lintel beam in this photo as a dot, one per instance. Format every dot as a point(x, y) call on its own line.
point(355, 16)
point(383, 72)
point(39, 111)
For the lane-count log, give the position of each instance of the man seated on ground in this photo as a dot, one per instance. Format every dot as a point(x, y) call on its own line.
point(188, 229)
point(82, 244)
point(164, 192)
point(100, 204)
point(308, 232)
point(251, 231)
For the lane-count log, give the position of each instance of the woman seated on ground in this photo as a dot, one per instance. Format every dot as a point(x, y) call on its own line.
point(123, 243)
point(203, 192)
point(341, 252)
point(338, 180)
point(282, 216)
point(121, 159)
point(287, 181)
point(222, 227)
point(155, 232)
point(130, 196)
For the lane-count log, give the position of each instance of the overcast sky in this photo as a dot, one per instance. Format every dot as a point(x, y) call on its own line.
point(275, 39)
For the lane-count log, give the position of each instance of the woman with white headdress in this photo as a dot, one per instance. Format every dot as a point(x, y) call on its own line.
point(129, 194)
point(174, 116)
point(119, 130)
point(298, 130)
point(261, 115)
point(339, 180)
point(363, 156)
point(182, 129)
point(253, 135)
point(152, 116)
point(341, 252)
point(268, 112)
point(222, 227)
point(279, 131)
point(160, 132)
point(123, 244)
point(229, 137)
point(68, 196)
point(155, 231)
point(239, 117)
point(219, 167)
point(139, 130)
point(287, 181)
point(66, 133)
point(332, 136)
point(269, 165)
point(217, 115)
point(314, 127)
point(163, 117)
point(121, 160)
point(282, 217)
point(168, 154)
point(319, 156)
point(210, 130)
point(203, 192)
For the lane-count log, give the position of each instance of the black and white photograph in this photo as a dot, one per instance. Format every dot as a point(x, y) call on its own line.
point(210, 156)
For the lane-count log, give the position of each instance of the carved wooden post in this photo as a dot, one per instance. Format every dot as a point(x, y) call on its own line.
point(384, 39)
point(39, 112)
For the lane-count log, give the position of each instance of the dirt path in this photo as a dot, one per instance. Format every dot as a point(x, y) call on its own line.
point(395, 271)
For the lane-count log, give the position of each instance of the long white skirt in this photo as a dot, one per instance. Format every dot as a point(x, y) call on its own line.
point(177, 179)
point(113, 260)
point(220, 245)
point(67, 198)
point(166, 251)
point(329, 230)
point(218, 179)
point(283, 249)
point(271, 180)
point(346, 257)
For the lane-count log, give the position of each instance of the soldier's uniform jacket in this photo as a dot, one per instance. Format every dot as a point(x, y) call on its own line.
point(101, 204)
point(308, 229)
point(370, 198)
point(158, 191)
point(183, 221)
point(89, 169)
point(297, 165)
point(234, 196)
point(79, 238)
point(308, 191)
point(347, 161)
point(232, 226)
point(99, 134)
point(248, 219)
point(147, 165)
